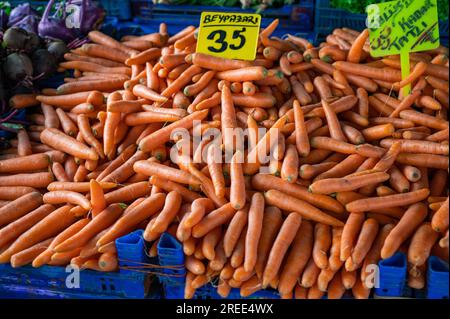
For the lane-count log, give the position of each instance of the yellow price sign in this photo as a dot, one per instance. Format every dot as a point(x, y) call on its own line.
point(229, 35)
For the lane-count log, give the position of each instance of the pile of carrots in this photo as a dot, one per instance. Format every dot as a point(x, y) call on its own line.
point(358, 171)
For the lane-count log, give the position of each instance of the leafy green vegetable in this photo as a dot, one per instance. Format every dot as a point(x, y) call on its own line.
point(359, 6)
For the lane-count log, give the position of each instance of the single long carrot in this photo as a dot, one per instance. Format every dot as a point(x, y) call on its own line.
point(289, 168)
point(387, 201)
point(322, 243)
point(163, 135)
point(367, 71)
point(168, 186)
point(216, 63)
point(168, 213)
point(423, 160)
point(66, 102)
point(153, 168)
point(237, 188)
point(416, 146)
point(388, 158)
point(60, 141)
point(310, 274)
point(83, 187)
point(213, 219)
point(128, 193)
point(298, 257)
point(59, 197)
point(264, 182)
point(234, 230)
point(356, 50)
point(254, 229)
point(439, 222)
point(88, 136)
point(333, 185)
point(289, 203)
point(412, 218)
point(27, 163)
point(421, 244)
point(101, 38)
point(228, 120)
point(327, 143)
point(36, 180)
point(284, 238)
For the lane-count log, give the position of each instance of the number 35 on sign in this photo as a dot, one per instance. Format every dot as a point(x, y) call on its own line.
point(229, 35)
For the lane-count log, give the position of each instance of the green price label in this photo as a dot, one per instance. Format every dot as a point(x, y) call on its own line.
point(401, 27)
point(404, 25)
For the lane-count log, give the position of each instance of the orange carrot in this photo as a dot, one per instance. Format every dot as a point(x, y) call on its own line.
point(60, 141)
point(265, 182)
point(387, 201)
point(21, 224)
point(130, 219)
point(36, 180)
point(216, 63)
point(356, 50)
point(255, 223)
point(213, 219)
point(322, 243)
point(365, 240)
point(101, 38)
point(237, 189)
point(298, 257)
point(421, 243)
point(168, 186)
point(310, 274)
point(333, 185)
point(439, 222)
point(51, 225)
point(59, 197)
point(128, 193)
point(284, 238)
point(165, 217)
point(153, 168)
point(28, 163)
point(163, 135)
point(102, 221)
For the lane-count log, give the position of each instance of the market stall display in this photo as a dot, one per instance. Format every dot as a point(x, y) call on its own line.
point(338, 170)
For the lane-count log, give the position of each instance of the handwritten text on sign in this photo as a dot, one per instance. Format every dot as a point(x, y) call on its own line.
point(229, 35)
point(404, 25)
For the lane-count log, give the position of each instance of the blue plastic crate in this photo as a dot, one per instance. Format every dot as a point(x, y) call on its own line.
point(170, 253)
point(50, 282)
point(293, 18)
point(132, 253)
point(327, 19)
point(437, 279)
point(392, 276)
point(117, 8)
point(91, 282)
